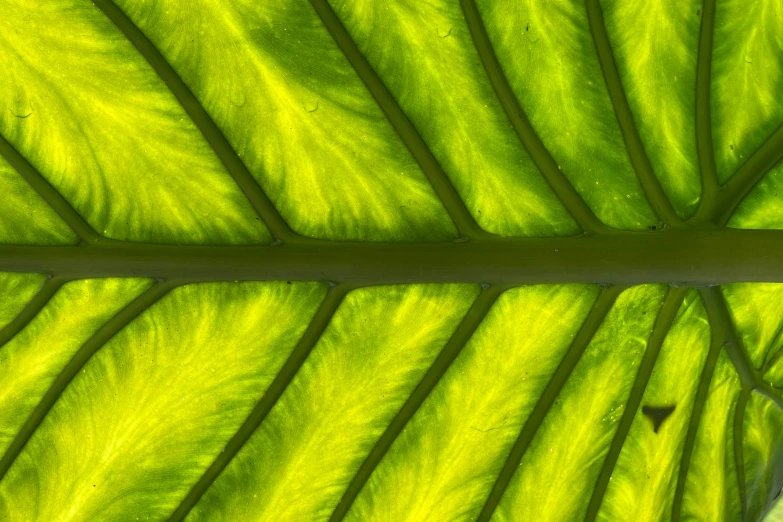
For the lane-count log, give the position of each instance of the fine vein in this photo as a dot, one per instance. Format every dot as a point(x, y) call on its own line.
point(636, 153)
point(48, 193)
point(255, 195)
point(440, 182)
point(31, 309)
point(663, 323)
point(709, 176)
point(562, 188)
point(746, 177)
point(582, 339)
point(106, 332)
point(699, 402)
point(270, 397)
point(739, 458)
point(461, 335)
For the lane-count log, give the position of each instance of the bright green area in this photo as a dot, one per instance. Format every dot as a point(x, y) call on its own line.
point(15, 291)
point(747, 79)
point(774, 374)
point(645, 476)
point(557, 473)
point(761, 207)
point(25, 218)
point(776, 513)
point(103, 129)
point(711, 487)
point(374, 352)
point(153, 408)
point(31, 361)
point(762, 448)
point(757, 312)
point(425, 55)
point(549, 58)
point(655, 46)
point(296, 113)
point(444, 463)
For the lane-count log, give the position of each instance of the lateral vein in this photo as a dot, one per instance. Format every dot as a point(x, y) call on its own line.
point(709, 177)
point(106, 332)
point(31, 309)
point(633, 143)
point(663, 323)
point(562, 188)
point(440, 182)
point(448, 354)
point(270, 397)
point(723, 328)
point(47, 191)
point(198, 114)
point(582, 339)
point(699, 402)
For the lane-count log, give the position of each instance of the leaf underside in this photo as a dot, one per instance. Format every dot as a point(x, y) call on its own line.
point(276, 260)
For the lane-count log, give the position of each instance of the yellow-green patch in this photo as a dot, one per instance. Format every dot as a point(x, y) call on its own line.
point(15, 291)
point(645, 475)
point(445, 461)
point(296, 113)
point(104, 130)
point(152, 409)
point(711, 491)
point(567, 452)
point(371, 356)
point(655, 46)
point(757, 312)
point(762, 454)
point(548, 55)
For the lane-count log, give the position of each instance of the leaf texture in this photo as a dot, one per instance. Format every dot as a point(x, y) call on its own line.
point(351, 260)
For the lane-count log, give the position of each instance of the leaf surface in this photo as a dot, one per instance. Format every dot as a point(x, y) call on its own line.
point(354, 260)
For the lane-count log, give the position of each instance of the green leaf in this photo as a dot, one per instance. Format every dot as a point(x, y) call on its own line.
point(355, 260)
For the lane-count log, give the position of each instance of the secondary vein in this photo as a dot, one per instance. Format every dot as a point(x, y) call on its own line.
point(461, 335)
point(270, 397)
point(709, 177)
point(440, 182)
point(746, 177)
point(693, 425)
point(106, 332)
point(739, 459)
point(50, 194)
point(723, 329)
point(560, 185)
point(255, 195)
point(671, 305)
point(582, 339)
point(31, 309)
point(633, 143)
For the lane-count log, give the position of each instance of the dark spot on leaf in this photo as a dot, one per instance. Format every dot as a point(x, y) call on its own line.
point(731, 146)
point(653, 227)
point(447, 34)
point(657, 414)
point(22, 116)
point(698, 12)
point(288, 282)
point(316, 107)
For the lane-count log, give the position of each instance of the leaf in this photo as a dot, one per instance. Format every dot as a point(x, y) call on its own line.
point(356, 260)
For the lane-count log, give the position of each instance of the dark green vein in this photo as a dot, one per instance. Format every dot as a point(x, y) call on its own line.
point(748, 175)
point(270, 397)
point(693, 424)
point(48, 193)
point(440, 182)
point(258, 199)
point(448, 354)
point(106, 332)
point(723, 328)
point(636, 153)
point(663, 323)
point(31, 309)
point(570, 198)
point(582, 339)
point(709, 176)
point(739, 458)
